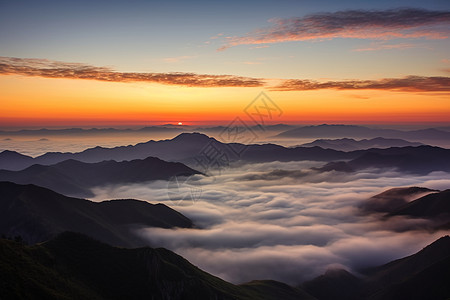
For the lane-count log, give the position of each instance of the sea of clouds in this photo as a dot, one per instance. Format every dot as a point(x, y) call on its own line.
point(283, 221)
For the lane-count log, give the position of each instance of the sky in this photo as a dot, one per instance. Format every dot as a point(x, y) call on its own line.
point(127, 63)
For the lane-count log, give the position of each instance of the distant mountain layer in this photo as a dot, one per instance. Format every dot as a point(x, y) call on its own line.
point(347, 144)
point(76, 178)
point(190, 148)
point(418, 160)
point(92, 131)
point(37, 214)
point(200, 151)
point(353, 131)
point(73, 266)
point(424, 275)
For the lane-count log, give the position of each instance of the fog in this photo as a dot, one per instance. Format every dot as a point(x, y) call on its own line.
point(283, 221)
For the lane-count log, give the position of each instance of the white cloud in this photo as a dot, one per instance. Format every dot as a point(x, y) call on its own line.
point(288, 229)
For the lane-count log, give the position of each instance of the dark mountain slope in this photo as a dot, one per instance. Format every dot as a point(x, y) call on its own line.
point(73, 266)
point(423, 275)
point(384, 279)
point(334, 284)
point(37, 214)
point(430, 206)
point(76, 178)
point(392, 199)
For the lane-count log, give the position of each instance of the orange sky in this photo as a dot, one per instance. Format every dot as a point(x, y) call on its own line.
point(60, 102)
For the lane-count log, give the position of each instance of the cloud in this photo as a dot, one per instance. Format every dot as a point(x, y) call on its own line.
point(55, 69)
point(405, 84)
point(286, 222)
point(383, 46)
point(361, 24)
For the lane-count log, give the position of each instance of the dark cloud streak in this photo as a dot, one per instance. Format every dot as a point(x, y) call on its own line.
point(405, 84)
point(55, 69)
point(366, 24)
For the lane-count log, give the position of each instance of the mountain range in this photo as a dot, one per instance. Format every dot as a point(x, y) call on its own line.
point(194, 148)
point(347, 144)
point(417, 160)
point(71, 265)
point(37, 214)
point(76, 178)
point(74, 266)
point(354, 131)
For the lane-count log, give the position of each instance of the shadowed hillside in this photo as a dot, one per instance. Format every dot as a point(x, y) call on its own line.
point(74, 266)
point(37, 214)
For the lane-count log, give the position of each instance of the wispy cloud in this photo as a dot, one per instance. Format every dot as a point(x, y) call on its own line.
point(405, 84)
point(383, 46)
point(362, 24)
point(56, 69)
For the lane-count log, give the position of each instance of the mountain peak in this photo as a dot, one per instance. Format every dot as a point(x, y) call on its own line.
point(193, 137)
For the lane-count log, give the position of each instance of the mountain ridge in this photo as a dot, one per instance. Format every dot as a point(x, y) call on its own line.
point(38, 213)
point(75, 178)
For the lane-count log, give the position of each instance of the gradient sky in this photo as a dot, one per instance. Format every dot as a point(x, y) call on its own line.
point(67, 63)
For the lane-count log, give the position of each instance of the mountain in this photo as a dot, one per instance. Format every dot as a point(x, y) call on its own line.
point(74, 266)
point(198, 150)
point(189, 148)
point(76, 178)
point(353, 131)
point(12, 160)
point(434, 260)
point(335, 284)
point(423, 275)
point(91, 131)
point(417, 160)
point(347, 144)
point(37, 214)
point(392, 199)
point(429, 206)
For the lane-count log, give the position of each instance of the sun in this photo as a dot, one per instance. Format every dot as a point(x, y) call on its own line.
point(180, 123)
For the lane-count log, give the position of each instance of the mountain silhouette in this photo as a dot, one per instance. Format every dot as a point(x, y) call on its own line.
point(423, 275)
point(37, 214)
point(347, 144)
point(353, 131)
point(194, 149)
point(335, 284)
point(12, 160)
point(417, 160)
point(392, 199)
point(429, 206)
point(74, 266)
point(76, 178)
